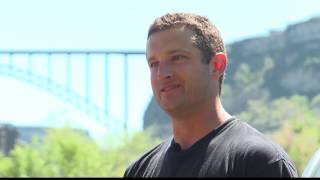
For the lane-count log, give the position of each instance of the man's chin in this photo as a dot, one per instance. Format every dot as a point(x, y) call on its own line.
point(170, 108)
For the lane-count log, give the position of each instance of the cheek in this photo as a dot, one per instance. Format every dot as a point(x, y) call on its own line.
point(199, 82)
point(153, 83)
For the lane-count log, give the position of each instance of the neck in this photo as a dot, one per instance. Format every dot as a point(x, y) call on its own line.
point(190, 128)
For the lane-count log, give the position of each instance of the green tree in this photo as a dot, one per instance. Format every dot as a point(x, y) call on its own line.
point(300, 137)
point(131, 147)
point(68, 153)
point(246, 85)
point(270, 116)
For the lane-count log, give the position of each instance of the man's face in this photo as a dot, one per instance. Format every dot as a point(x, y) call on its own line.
point(180, 80)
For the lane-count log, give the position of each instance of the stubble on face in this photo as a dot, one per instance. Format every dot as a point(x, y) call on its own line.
point(189, 85)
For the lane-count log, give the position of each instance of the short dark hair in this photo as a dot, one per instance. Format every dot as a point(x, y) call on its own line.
point(206, 35)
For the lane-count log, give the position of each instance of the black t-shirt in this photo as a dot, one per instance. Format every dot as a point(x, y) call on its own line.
point(234, 149)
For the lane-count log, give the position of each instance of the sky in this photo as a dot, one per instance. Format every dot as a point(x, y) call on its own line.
point(117, 25)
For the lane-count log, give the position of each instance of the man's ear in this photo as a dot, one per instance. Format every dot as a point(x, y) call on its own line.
point(219, 62)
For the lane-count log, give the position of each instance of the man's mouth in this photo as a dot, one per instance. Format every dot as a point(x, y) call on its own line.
point(169, 88)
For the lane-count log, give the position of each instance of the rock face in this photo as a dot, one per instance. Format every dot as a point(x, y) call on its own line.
point(295, 53)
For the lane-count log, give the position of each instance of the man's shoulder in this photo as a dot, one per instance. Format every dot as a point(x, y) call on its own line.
point(267, 157)
point(252, 141)
point(152, 152)
point(259, 150)
point(147, 159)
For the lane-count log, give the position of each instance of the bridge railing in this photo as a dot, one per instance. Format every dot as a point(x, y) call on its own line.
point(24, 65)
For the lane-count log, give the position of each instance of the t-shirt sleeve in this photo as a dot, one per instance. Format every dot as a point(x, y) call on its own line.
point(279, 168)
point(127, 172)
point(130, 171)
point(268, 160)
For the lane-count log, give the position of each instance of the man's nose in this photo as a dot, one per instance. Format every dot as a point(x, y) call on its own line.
point(164, 71)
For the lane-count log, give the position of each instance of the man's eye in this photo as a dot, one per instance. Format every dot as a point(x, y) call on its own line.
point(178, 57)
point(153, 64)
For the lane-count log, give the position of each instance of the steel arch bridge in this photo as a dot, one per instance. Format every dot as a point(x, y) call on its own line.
point(64, 90)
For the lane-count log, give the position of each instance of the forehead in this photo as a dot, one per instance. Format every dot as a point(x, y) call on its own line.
point(170, 39)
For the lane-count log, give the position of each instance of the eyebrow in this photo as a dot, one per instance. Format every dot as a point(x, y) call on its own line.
point(178, 51)
point(149, 58)
point(170, 52)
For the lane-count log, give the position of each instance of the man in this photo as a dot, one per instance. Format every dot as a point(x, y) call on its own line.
point(187, 60)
